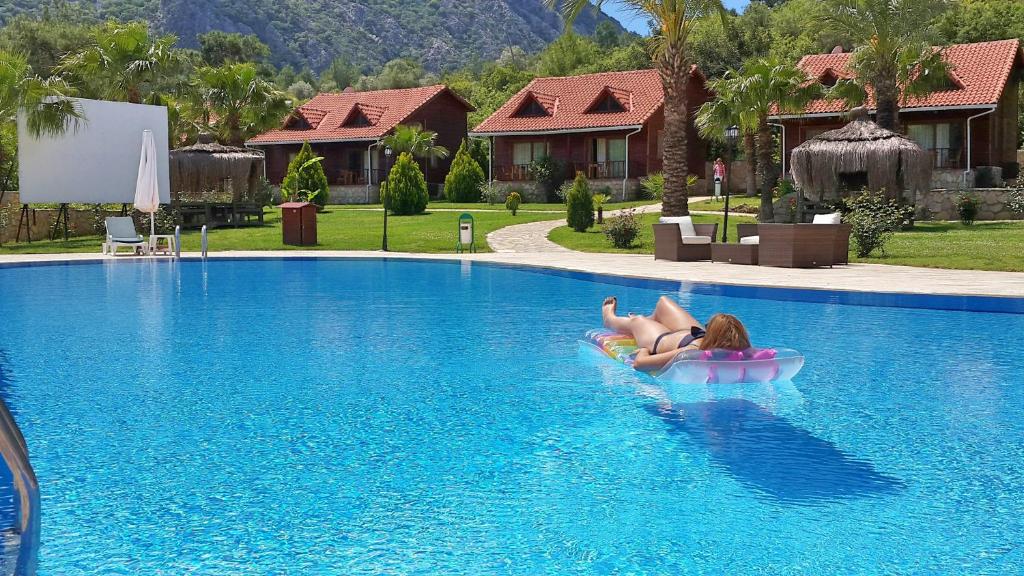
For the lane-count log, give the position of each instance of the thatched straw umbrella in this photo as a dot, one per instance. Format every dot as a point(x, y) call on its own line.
point(210, 172)
point(890, 161)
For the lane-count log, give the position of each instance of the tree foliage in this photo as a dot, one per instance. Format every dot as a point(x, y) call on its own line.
point(406, 192)
point(580, 204)
point(123, 62)
point(462, 184)
point(244, 104)
point(413, 140)
point(219, 48)
point(305, 179)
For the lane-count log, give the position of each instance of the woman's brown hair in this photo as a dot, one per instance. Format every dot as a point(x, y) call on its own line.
point(725, 331)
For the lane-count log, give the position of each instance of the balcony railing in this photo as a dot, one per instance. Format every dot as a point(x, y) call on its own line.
point(946, 158)
point(599, 170)
point(355, 177)
point(592, 170)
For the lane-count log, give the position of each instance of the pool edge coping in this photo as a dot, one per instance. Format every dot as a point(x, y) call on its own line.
point(978, 301)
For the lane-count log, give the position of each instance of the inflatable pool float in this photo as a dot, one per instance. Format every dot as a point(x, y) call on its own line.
point(754, 365)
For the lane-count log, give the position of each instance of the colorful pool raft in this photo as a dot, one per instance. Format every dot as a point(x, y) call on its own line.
point(754, 365)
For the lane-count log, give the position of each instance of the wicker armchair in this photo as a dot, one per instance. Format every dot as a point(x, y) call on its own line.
point(668, 243)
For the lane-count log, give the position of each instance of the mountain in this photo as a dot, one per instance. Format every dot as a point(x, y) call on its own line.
point(443, 34)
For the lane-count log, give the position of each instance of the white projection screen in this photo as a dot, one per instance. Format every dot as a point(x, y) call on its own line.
point(98, 163)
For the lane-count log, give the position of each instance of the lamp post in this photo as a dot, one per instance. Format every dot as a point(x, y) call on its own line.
point(384, 197)
point(732, 133)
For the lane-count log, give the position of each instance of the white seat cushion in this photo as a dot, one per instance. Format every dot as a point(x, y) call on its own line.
point(685, 224)
point(834, 218)
point(696, 239)
point(755, 240)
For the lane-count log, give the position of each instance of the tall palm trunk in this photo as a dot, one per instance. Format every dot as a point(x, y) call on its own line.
point(749, 152)
point(764, 169)
point(675, 74)
point(887, 97)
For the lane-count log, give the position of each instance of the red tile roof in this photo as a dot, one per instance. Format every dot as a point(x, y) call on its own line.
point(568, 98)
point(980, 71)
point(326, 115)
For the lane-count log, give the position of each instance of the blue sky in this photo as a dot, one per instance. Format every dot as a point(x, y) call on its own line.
point(639, 25)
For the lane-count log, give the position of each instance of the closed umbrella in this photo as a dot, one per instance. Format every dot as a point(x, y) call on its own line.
point(147, 189)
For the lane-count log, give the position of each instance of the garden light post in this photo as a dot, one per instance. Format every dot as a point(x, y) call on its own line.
point(384, 197)
point(732, 133)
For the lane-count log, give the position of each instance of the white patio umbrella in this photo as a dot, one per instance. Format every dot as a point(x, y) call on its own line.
point(147, 190)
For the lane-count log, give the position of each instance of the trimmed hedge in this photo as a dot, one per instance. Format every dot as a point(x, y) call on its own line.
point(462, 184)
point(406, 193)
point(580, 210)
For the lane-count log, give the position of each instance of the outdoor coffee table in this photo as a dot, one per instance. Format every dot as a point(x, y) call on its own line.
point(734, 253)
point(167, 241)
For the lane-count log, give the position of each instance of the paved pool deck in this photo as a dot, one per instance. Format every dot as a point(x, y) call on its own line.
point(852, 277)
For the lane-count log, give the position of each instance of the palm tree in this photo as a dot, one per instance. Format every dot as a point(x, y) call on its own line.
point(673, 20)
point(416, 141)
point(47, 109)
point(892, 51)
point(123, 63)
point(766, 86)
point(716, 116)
point(244, 103)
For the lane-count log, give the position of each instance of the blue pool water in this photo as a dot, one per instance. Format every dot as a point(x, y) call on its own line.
point(375, 417)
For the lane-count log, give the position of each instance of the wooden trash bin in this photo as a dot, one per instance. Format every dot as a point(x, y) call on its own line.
point(298, 223)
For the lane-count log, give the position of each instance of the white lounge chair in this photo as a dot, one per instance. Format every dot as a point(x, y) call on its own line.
point(121, 232)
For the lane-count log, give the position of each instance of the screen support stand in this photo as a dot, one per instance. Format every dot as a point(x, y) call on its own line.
point(124, 209)
point(24, 221)
point(62, 219)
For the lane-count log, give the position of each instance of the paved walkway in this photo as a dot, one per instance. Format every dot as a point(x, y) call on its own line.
point(533, 237)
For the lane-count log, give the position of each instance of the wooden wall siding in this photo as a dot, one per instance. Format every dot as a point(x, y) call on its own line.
point(991, 146)
point(576, 148)
point(444, 115)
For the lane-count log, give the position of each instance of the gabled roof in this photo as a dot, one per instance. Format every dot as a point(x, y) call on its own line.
point(570, 97)
point(979, 74)
point(327, 116)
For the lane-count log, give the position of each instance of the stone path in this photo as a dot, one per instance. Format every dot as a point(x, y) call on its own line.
point(533, 237)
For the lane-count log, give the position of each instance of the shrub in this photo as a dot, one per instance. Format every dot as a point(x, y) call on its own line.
point(599, 200)
point(580, 211)
point(1016, 200)
point(305, 179)
point(549, 174)
point(463, 180)
point(512, 201)
point(489, 193)
point(406, 193)
point(623, 229)
point(873, 219)
point(563, 192)
point(653, 187)
point(967, 207)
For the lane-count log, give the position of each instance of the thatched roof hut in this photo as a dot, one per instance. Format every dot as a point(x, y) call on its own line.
point(210, 172)
point(860, 154)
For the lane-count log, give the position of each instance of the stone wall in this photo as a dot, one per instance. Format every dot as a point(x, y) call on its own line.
point(354, 195)
point(940, 204)
point(532, 193)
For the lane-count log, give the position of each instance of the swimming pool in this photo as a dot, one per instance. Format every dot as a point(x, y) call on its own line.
point(369, 417)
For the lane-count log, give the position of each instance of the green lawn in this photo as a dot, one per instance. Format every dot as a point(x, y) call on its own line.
point(719, 206)
point(982, 246)
point(336, 230)
point(594, 240)
point(483, 206)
